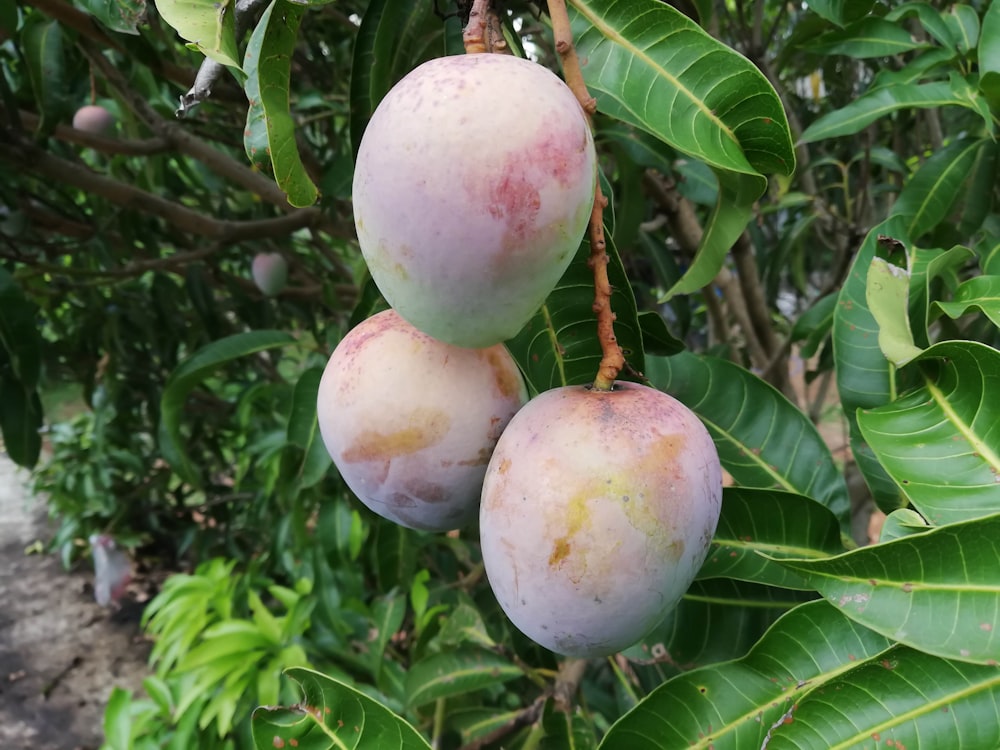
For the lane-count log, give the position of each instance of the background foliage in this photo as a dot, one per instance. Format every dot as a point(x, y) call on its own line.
point(794, 187)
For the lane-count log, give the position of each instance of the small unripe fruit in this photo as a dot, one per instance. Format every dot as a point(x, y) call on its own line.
point(270, 273)
point(598, 509)
point(411, 422)
point(94, 119)
point(473, 187)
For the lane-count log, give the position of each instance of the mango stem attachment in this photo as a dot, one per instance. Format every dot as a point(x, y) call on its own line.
point(612, 359)
point(483, 32)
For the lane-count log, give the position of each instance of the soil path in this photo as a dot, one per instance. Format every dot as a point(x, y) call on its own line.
point(60, 653)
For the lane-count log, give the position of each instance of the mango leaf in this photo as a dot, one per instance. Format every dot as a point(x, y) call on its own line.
point(733, 704)
point(189, 374)
point(930, 18)
point(841, 12)
point(559, 345)
point(451, 673)
point(862, 371)
point(980, 293)
point(268, 65)
point(42, 43)
point(395, 36)
point(208, 25)
point(387, 618)
point(927, 196)
point(938, 592)
point(941, 442)
point(733, 209)
point(926, 266)
point(978, 200)
point(332, 715)
point(989, 55)
point(815, 324)
point(755, 523)
point(732, 616)
point(886, 292)
point(303, 430)
point(900, 523)
point(650, 65)
point(876, 104)
point(902, 698)
point(123, 16)
point(20, 421)
point(762, 439)
point(868, 37)
point(964, 24)
point(19, 334)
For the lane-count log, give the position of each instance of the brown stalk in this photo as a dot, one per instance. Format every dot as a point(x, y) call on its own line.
point(612, 359)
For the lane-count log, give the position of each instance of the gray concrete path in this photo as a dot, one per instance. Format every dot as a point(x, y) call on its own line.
point(60, 653)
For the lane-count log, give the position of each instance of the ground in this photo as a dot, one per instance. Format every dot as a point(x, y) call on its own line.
point(60, 653)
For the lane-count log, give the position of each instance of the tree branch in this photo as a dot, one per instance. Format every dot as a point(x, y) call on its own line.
point(35, 160)
point(102, 143)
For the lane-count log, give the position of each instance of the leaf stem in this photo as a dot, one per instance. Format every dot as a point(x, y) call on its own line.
point(612, 359)
point(483, 32)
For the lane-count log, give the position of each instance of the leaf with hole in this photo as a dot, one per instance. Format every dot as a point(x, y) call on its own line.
point(332, 716)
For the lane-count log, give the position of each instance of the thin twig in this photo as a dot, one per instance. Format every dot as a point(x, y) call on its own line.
point(612, 358)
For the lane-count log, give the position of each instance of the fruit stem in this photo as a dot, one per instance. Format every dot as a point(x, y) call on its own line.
point(612, 359)
point(483, 32)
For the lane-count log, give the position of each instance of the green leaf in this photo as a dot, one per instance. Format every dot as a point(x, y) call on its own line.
point(732, 212)
point(209, 25)
point(123, 16)
point(815, 324)
point(928, 196)
point(876, 104)
point(43, 52)
point(303, 431)
point(395, 36)
point(863, 376)
point(755, 523)
point(938, 592)
point(978, 200)
point(650, 65)
point(941, 442)
point(118, 720)
point(964, 24)
point(762, 439)
point(268, 66)
point(394, 550)
point(559, 345)
point(733, 704)
point(457, 672)
point(930, 18)
point(20, 422)
point(981, 293)
point(886, 292)
point(841, 12)
point(902, 698)
point(19, 334)
point(332, 715)
point(989, 55)
point(869, 37)
point(387, 616)
point(191, 373)
point(900, 523)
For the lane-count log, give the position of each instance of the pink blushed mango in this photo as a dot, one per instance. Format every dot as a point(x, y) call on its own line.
point(473, 188)
point(270, 273)
point(598, 509)
point(94, 119)
point(411, 422)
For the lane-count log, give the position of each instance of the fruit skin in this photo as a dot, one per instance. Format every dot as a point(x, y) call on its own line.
point(410, 422)
point(270, 273)
point(473, 187)
point(598, 509)
point(94, 119)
